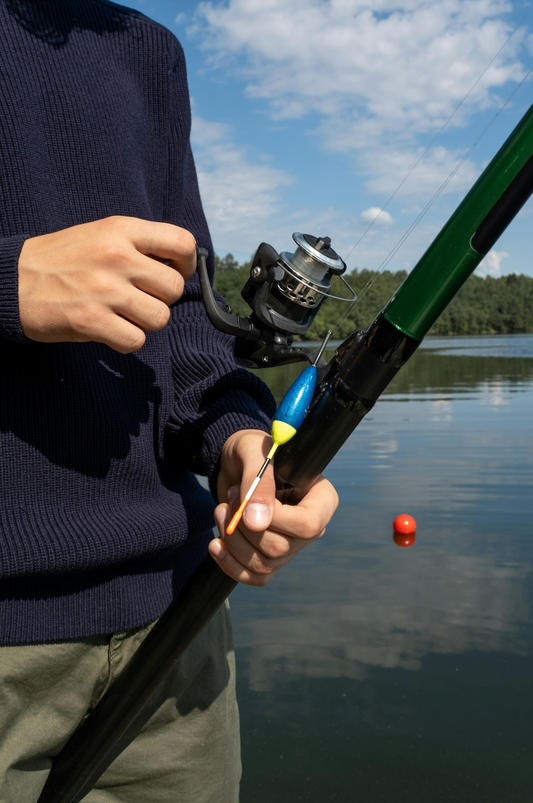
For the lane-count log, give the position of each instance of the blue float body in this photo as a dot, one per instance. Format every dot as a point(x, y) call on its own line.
point(296, 401)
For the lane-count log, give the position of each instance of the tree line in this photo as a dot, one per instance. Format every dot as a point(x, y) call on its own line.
point(483, 306)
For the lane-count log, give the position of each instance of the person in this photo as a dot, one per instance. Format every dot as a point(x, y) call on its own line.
point(116, 392)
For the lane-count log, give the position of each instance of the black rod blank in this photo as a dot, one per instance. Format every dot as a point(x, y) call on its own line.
point(502, 213)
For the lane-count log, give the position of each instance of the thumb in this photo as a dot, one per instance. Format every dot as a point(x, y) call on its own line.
point(260, 509)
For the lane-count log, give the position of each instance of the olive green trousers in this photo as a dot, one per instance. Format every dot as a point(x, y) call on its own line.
point(183, 748)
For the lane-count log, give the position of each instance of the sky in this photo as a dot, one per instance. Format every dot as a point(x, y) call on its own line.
point(346, 117)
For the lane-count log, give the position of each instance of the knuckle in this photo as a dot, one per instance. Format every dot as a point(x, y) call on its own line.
point(176, 286)
point(260, 567)
point(101, 284)
point(188, 242)
point(277, 549)
point(310, 528)
point(135, 341)
point(84, 319)
point(161, 316)
point(260, 580)
point(116, 224)
point(114, 253)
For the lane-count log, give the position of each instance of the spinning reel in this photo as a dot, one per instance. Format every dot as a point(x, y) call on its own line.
point(285, 291)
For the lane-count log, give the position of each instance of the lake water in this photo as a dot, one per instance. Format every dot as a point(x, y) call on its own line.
point(368, 672)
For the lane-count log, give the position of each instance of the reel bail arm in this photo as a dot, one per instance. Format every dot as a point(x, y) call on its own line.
point(284, 292)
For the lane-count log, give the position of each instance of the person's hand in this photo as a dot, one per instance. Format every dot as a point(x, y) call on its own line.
point(270, 533)
point(103, 281)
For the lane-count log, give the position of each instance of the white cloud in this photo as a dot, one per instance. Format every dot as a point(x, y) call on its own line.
point(239, 195)
point(377, 216)
point(208, 132)
point(386, 167)
point(491, 265)
point(180, 19)
point(244, 203)
point(407, 62)
point(373, 75)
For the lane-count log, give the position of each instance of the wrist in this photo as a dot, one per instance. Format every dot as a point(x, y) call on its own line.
point(10, 326)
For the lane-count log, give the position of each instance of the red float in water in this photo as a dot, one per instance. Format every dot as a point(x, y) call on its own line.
point(404, 527)
point(404, 539)
point(404, 524)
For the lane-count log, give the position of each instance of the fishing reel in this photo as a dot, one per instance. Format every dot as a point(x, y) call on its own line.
point(285, 292)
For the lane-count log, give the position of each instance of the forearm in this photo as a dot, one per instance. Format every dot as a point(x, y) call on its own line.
point(214, 397)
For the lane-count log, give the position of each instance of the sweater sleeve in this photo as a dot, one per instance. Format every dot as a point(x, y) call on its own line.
point(10, 326)
point(214, 397)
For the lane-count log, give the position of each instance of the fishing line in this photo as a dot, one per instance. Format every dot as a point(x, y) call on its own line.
point(439, 132)
point(414, 224)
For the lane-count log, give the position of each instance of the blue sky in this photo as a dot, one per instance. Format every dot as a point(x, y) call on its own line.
point(308, 115)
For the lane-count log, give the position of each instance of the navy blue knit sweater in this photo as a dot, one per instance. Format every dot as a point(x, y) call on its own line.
point(101, 516)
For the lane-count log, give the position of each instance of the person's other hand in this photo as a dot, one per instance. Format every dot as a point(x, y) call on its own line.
point(103, 281)
point(270, 533)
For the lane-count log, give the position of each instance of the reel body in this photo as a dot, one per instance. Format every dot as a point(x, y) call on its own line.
point(284, 292)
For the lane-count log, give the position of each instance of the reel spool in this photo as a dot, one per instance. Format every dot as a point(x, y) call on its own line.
point(285, 292)
point(309, 270)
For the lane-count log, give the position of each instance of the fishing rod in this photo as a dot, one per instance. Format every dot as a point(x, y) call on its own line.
point(347, 388)
point(368, 361)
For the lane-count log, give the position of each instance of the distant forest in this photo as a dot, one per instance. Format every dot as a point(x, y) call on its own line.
point(482, 307)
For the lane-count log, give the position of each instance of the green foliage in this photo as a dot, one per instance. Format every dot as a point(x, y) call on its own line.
point(482, 307)
point(230, 278)
point(361, 315)
point(489, 306)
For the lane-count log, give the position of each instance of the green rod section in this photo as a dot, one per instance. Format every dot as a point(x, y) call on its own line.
point(451, 258)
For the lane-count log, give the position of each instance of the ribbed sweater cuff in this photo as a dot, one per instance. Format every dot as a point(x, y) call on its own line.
point(10, 326)
point(234, 411)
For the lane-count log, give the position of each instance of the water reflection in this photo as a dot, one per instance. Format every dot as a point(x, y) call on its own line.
point(495, 346)
point(458, 363)
point(446, 625)
point(386, 610)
